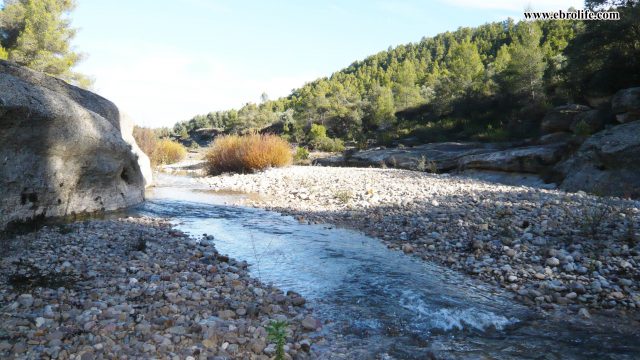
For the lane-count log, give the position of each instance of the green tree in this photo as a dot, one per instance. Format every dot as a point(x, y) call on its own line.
point(406, 92)
point(465, 69)
point(520, 66)
point(605, 57)
point(382, 113)
point(38, 33)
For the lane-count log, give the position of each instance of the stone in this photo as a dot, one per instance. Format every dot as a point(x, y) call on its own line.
point(61, 150)
point(607, 163)
point(556, 137)
point(407, 248)
point(309, 323)
point(560, 118)
point(590, 122)
point(226, 314)
point(552, 261)
point(626, 105)
point(26, 300)
point(584, 313)
point(257, 345)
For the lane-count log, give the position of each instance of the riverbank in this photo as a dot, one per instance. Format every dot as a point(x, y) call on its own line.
point(553, 249)
point(137, 288)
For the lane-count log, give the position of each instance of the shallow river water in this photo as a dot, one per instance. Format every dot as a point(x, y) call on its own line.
point(377, 303)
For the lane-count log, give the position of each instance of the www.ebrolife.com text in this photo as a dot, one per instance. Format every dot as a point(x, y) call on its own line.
point(572, 15)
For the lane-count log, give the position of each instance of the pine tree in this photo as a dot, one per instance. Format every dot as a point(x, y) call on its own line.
point(37, 34)
point(523, 64)
point(465, 68)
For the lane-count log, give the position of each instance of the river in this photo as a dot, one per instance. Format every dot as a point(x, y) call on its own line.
point(377, 303)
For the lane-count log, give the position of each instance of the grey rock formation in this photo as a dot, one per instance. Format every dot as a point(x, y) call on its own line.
point(61, 150)
point(444, 156)
point(607, 163)
point(560, 118)
point(590, 121)
point(529, 159)
point(626, 105)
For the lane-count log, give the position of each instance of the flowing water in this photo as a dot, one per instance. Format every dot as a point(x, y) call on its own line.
point(378, 303)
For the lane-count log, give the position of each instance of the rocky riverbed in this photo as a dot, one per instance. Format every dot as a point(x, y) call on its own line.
point(555, 250)
point(137, 288)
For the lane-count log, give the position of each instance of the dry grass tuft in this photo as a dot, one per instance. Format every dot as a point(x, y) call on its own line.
point(168, 152)
point(247, 153)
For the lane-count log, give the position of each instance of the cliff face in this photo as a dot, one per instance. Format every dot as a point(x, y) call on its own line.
point(61, 150)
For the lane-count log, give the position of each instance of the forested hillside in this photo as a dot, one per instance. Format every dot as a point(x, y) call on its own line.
point(492, 82)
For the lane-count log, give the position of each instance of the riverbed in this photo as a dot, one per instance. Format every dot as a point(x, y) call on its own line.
point(379, 303)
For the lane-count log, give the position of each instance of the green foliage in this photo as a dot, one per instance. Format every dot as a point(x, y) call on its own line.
point(328, 144)
point(582, 129)
point(343, 196)
point(488, 83)
point(301, 154)
point(605, 56)
point(317, 132)
point(37, 34)
point(522, 65)
point(277, 332)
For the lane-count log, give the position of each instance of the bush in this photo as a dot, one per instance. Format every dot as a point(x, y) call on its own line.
point(168, 152)
point(246, 153)
point(317, 132)
point(328, 144)
point(301, 154)
point(146, 139)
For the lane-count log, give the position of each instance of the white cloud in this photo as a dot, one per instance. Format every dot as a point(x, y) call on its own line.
point(518, 5)
point(157, 88)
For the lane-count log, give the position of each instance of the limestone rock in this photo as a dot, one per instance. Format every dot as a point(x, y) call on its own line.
point(626, 105)
point(607, 163)
point(560, 118)
point(61, 150)
point(530, 159)
point(444, 156)
point(591, 121)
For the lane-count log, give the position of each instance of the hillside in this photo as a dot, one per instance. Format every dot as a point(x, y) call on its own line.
point(489, 83)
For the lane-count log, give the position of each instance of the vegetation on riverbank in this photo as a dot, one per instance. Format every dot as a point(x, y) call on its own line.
point(488, 83)
point(247, 153)
point(161, 151)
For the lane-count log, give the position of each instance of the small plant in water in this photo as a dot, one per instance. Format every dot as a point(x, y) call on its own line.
point(277, 332)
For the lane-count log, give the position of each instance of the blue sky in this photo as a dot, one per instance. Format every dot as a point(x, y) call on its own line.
point(164, 61)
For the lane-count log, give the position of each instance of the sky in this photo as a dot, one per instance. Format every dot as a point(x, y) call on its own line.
point(164, 61)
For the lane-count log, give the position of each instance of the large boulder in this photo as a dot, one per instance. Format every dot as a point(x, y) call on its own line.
point(625, 104)
point(607, 163)
point(61, 150)
point(589, 122)
point(560, 118)
point(529, 159)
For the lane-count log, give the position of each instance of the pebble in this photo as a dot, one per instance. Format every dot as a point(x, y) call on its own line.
point(445, 219)
point(166, 303)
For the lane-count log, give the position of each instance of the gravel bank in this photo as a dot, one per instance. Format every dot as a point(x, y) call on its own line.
point(550, 247)
point(137, 288)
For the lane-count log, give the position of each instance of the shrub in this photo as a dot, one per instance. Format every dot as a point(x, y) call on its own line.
point(146, 139)
point(301, 154)
point(245, 153)
point(168, 152)
point(317, 132)
point(328, 144)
